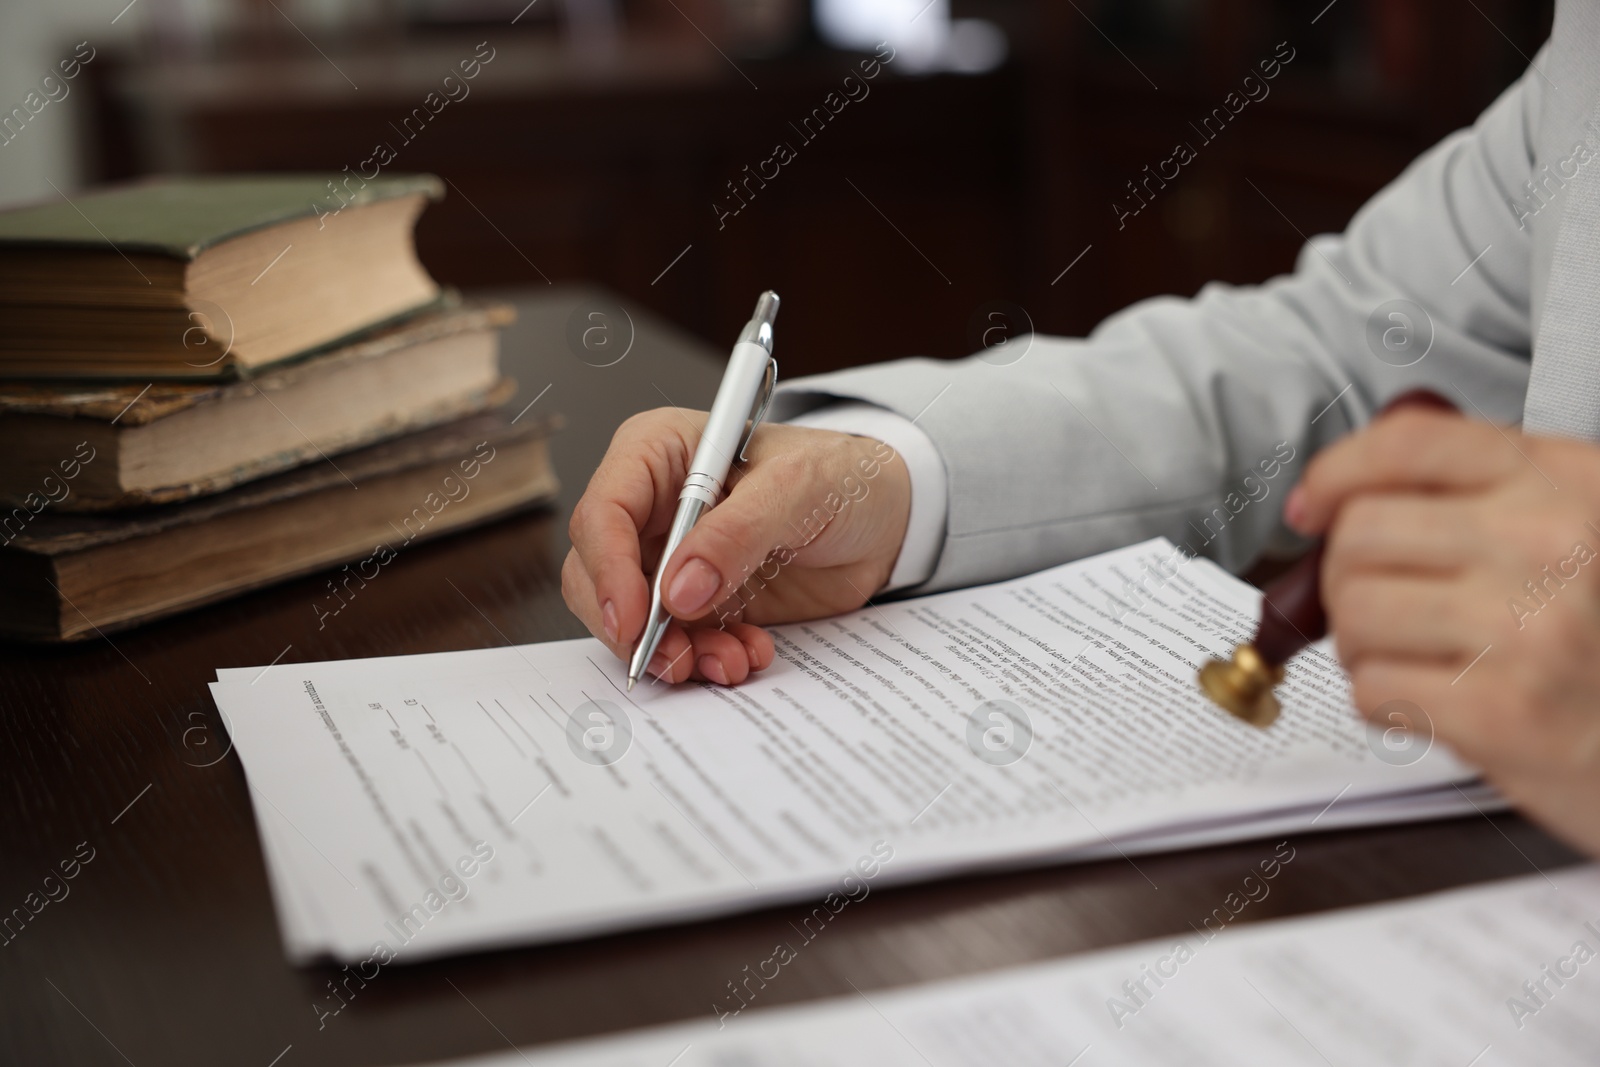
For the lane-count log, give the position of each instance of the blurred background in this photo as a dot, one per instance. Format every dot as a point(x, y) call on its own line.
point(607, 141)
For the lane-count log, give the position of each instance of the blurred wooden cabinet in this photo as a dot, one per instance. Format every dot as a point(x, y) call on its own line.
point(902, 215)
point(1372, 83)
point(904, 205)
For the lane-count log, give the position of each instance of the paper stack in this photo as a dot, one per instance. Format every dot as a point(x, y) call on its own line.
point(430, 804)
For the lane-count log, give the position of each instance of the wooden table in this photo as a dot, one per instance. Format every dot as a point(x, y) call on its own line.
point(166, 949)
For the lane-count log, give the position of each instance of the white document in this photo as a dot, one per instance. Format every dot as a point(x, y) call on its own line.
point(442, 802)
point(1481, 977)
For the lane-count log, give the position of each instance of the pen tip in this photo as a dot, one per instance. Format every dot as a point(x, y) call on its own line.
point(631, 680)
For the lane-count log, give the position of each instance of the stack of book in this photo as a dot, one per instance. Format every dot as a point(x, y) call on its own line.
point(210, 384)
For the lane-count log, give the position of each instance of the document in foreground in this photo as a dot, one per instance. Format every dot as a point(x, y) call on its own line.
point(442, 802)
point(1482, 977)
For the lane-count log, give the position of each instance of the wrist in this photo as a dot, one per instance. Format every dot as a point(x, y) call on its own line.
point(895, 515)
point(920, 483)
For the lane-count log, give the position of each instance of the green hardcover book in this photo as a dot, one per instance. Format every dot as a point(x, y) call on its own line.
point(206, 277)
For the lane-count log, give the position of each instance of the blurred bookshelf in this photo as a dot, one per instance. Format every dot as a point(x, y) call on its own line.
point(1373, 83)
point(598, 155)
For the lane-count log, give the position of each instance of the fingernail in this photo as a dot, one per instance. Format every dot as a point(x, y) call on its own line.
point(694, 587)
point(711, 667)
point(1294, 509)
point(608, 620)
point(659, 664)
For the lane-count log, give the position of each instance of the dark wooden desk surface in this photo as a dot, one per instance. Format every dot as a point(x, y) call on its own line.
point(166, 949)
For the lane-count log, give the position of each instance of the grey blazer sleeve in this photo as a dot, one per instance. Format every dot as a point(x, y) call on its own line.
point(1191, 418)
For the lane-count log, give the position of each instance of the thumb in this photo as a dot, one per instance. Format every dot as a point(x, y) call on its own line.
point(733, 540)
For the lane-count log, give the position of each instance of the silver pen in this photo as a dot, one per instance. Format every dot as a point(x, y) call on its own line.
point(742, 398)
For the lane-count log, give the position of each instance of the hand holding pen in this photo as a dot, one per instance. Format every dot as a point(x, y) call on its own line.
point(808, 524)
point(745, 392)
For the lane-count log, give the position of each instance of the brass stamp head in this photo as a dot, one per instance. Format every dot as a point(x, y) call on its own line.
point(1243, 685)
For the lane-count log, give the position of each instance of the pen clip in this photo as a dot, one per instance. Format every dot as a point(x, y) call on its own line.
point(763, 401)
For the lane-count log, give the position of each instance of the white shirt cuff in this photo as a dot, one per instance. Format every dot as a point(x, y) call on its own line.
point(919, 552)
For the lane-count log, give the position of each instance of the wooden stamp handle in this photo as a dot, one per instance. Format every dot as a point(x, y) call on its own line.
point(1291, 611)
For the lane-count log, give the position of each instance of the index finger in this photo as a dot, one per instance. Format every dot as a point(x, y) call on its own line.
point(630, 492)
point(1413, 449)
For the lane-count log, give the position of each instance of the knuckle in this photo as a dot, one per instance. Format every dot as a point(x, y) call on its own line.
point(1411, 430)
point(642, 422)
point(1400, 444)
point(581, 512)
point(1346, 602)
point(1352, 530)
point(1363, 514)
point(646, 429)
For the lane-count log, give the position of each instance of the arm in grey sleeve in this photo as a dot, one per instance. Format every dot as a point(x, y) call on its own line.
point(1189, 418)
